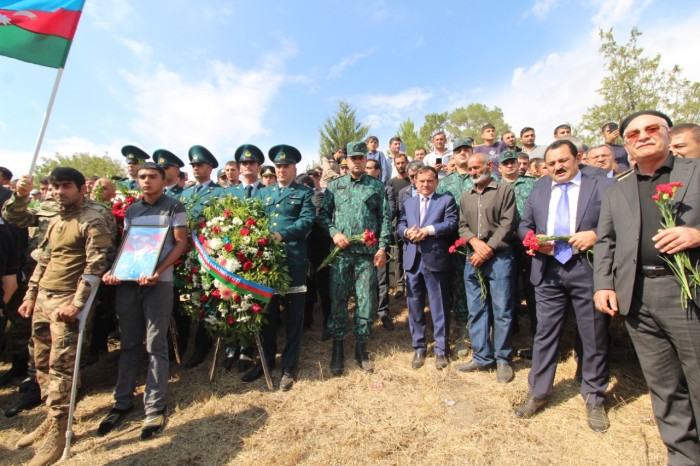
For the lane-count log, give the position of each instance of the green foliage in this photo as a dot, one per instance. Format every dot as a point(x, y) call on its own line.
point(87, 164)
point(340, 130)
point(433, 122)
point(467, 121)
point(637, 82)
point(408, 134)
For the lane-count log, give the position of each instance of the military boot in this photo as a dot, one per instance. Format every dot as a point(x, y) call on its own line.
point(338, 358)
point(29, 397)
point(362, 357)
point(52, 449)
point(462, 346)
point(36, 434)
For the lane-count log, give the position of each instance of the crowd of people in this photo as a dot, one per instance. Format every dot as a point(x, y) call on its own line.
point(454, 221)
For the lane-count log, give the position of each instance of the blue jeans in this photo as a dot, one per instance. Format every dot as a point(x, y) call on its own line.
point(498, 275)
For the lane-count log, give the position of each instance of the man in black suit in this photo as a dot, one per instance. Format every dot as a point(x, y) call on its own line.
point(567, 203)
point(632, 278)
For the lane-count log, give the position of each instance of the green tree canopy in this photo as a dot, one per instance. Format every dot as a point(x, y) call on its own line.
point(637, 82)
point(87, 164)
point(341, 129)
point(408, 134)
point(433, 122)
point(467, 121)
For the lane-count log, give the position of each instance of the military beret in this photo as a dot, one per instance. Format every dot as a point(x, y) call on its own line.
point(357, 148)
point(268, 170)
point(507, 155)
point(249, 153)
point(283, 153)
point(625, 123)
point(134, 155)
point(164, 158)
point(462, 142)
point(200, 154)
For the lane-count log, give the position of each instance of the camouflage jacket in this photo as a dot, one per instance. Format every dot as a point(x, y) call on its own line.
point(455, 184)
point(352, 206)
point(79, 240)
point(522, 187)
point(18, 213)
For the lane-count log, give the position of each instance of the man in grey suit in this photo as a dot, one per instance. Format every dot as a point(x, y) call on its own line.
point(632, 279)
point(561, 273)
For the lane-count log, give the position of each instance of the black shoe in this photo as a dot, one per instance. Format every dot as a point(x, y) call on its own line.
point(525, 353)
point(472, 366)
point(338, 358)
point(362, 357)
point(153, 424)
point(255, 372)
point(15, 372)
point(399, 293)
point(28, 399)
point(112, 420)
point(244, 363)
point(387, 322)
point(288, 378)
point(89, 360)
point(529, 408)
point(597, 418)
point(441, 361)
point(418, 359)
point(228, 363)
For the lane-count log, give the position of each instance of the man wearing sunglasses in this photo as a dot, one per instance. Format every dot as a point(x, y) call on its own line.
point(632, 278)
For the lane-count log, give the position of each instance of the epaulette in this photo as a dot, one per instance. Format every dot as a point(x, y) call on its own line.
point(623, 175)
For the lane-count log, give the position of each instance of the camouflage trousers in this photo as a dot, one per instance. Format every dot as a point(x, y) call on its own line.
point(353, 272)
point(459, 295)
point(55, 344)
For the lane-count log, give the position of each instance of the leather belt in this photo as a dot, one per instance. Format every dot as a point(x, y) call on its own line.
point(654, 271)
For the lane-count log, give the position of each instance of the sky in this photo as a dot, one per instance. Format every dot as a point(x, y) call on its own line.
point(172, 74)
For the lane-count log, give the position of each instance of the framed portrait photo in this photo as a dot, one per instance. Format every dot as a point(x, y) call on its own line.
point(139, 252)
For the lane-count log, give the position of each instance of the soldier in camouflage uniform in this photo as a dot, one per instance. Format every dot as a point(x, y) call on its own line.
point(134, 158)
point(196, 198)
point(352, 204)
point(455, 184)
point(78, 241)
point(17, 212)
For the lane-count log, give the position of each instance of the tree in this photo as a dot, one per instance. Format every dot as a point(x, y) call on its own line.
point(340, 130)
point(409, 136)
point(467, 121)
point(433, 122)
point(87, 164)
point(636, 82)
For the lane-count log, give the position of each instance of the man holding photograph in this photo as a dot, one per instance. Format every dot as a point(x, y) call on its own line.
point(144, 306)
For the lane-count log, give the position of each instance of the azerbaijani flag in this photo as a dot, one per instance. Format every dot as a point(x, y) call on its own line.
point(39, 31)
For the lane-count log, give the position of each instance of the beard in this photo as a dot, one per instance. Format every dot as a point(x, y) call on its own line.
point(481, 178)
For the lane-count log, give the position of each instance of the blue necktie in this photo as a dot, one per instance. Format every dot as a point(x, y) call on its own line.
point(248, 190)
point(562, 249)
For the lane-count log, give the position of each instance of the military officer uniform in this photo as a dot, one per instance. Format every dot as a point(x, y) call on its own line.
point(196, 198)
point(291, 213)
point(246, 153)
point(267, 170)
point(134, 156)
point(350, 207)
point(165, 158)
point(455, 184)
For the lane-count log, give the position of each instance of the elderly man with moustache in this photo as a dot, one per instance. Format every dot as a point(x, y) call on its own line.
point(631, 277)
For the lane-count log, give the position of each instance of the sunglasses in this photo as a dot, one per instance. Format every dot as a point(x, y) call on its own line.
point(633, 135)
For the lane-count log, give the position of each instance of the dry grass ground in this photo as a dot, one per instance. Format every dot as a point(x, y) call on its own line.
point(395, 416)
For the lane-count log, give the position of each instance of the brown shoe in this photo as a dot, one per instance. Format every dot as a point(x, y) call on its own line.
point(36, 434)
point(597, 418)
point(529, 408)
point(52, 449)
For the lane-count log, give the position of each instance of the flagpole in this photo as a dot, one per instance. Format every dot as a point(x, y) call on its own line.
point(47, 115)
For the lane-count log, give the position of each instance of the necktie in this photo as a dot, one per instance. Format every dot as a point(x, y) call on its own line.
point(562, 249)
point(248, 190)
point(423, 209)
point(198, 188)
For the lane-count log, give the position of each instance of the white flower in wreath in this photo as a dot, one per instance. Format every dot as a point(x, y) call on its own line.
point(216, 244)
point(247, 239)
point(244, 318)
point(267, 255)
point(236, 221)
point(250, 250)
point(232, 264)
point(210, 320)
point(206, 286)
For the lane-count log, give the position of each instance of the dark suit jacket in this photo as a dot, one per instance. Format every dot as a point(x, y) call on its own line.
point(536, 213)
point(620, 223)
point(442, 215)
point(404, 194)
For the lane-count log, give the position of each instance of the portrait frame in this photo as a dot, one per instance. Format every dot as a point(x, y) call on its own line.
point(139, 252)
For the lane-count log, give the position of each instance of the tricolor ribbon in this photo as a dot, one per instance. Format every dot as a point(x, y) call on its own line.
point(230, 279)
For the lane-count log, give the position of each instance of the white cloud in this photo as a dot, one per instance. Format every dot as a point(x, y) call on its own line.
point(337, 69)
point(139, 49)
point(541, 8)
point(109, 15)
point(391, 109)
point(618, 13)
point(222, 109)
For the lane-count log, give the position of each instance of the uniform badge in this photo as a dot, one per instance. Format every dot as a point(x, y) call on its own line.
point(162, 160)
point(282, 156)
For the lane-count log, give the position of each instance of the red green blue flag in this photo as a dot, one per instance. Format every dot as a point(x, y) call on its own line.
point(39, 31)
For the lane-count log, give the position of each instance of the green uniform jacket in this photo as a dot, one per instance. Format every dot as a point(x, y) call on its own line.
point(522, 187)
point(291, 214)
point(238, 191)
point(175, 192)
point(455, 184)
point(196, 200)
point(352, 206)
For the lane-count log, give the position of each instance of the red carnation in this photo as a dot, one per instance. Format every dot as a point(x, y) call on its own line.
point(247, 266)
point(129, 200)
point(200, 316)
point(250, 222)
point(256, 308)
point(202, 239)
point(216, 230)
point(228, 247)
point(245, 231)
point(264, 269)
point(229, 320)
point(195, 269)
point(237, 298)
point(656, 197)
point(263, 242)
point(227, 213)
point(204, 298)
point(259, 253)
point(202, 224)
point(216, 294)
point(241, 257)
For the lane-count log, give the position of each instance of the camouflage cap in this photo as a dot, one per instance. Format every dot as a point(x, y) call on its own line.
point(164, 158)
point(284, 154)
point(462, 142)
point(357, 148)
point(134, 155)
point(507, 155)
point(249, 153)
point(200, 154)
